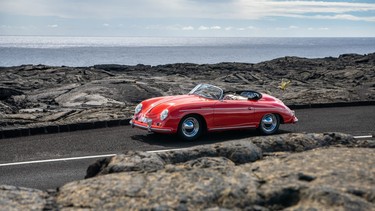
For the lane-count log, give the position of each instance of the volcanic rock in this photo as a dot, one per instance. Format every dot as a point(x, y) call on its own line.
point(18, 198)
point(330, 171)
point(103, 92)
point(209, 178)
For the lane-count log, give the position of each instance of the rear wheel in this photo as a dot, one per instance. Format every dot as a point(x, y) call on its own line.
point(190, 128)
point(269, 124)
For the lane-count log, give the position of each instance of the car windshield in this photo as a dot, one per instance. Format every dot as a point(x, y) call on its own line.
point(207, 91)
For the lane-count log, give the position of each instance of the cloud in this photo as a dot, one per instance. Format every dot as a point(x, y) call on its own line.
point(320, 29)
point(208, 9)
point(303, 9)
point(187, 28)
point(293, 27)
point(215, 27)
point(342, 17)
point(203, 28)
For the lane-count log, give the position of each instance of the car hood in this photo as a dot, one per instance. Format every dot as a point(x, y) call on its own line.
point(169, 101)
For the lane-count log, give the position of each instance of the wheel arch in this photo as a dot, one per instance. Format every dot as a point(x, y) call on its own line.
point(281, 118)
point(203, 120)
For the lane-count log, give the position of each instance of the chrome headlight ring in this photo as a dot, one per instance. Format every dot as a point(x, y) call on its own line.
point(164, 114)
point(138, 108)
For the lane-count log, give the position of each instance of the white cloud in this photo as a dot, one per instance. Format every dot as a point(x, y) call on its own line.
point(105, 24)
point(187, 28)
point(203, 28)
point(293, 27)
point(215, 27)
point(228, 28)
point(320, 29)
point(342, 17)
point(303, 9)
point(235, 9)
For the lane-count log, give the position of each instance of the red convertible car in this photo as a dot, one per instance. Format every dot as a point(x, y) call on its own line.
point(209, 108)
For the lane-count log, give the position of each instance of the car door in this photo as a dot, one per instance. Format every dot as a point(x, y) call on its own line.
point(233, 114)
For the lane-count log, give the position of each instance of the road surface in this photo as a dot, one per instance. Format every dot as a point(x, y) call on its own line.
point(39, 153)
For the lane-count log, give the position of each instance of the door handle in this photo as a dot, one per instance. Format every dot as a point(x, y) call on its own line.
point(250, 108)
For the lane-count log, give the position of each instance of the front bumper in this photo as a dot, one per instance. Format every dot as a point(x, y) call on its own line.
point(149, 127)
point(295, 119)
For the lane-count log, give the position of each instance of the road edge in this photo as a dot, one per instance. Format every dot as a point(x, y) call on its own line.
point(28, 131)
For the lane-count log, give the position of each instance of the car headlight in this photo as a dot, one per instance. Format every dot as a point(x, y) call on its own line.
point(164, 114)
point(138, 108)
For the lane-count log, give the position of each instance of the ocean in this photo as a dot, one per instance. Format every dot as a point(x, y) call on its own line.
point(88, 51)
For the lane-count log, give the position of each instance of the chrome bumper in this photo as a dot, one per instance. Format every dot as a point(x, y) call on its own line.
point(149, 127)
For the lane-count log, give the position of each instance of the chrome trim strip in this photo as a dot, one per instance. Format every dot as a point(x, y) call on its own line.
point(133, 124)
point(239, 108)
point(237, 127)
point(160, 129)
point(197, 109)
point(209, 109)
point(259, 109)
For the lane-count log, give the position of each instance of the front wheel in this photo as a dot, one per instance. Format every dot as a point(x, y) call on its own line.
point(269, 124)
point(190, 128)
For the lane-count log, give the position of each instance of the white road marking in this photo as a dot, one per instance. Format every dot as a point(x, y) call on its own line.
point(55, 160)
point(109, 155)
point(75, 158)
point(362, 137)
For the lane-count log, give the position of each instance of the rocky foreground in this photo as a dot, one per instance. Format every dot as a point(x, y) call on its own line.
point(33, 95)
point(329, 171)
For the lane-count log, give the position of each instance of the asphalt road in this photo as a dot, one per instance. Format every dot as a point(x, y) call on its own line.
point(52, 174)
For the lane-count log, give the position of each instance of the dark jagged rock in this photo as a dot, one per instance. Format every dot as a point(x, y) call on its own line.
point(103, 92)
point(5, 93)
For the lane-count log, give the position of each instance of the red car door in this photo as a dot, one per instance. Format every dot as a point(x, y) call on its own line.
point(230, 114)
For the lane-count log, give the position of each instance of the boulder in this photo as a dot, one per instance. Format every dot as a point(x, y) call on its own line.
point(18, 198)
point(297, 172)
point(330, 171)
point(237, 152)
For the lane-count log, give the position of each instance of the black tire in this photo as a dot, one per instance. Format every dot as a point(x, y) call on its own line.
point(269, 124)
point(190, 128)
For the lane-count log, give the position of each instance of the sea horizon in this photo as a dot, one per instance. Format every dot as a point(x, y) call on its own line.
point(157, 50)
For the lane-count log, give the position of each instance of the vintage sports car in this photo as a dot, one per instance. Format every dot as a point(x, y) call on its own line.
point(209, 108)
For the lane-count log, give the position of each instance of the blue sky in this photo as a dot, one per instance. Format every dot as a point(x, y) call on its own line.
point(203, 18)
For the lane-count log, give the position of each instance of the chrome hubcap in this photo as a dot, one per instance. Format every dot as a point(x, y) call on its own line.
point(190, 127)
point(269, 122)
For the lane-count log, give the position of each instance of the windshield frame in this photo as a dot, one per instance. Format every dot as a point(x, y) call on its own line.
point(197, 91)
